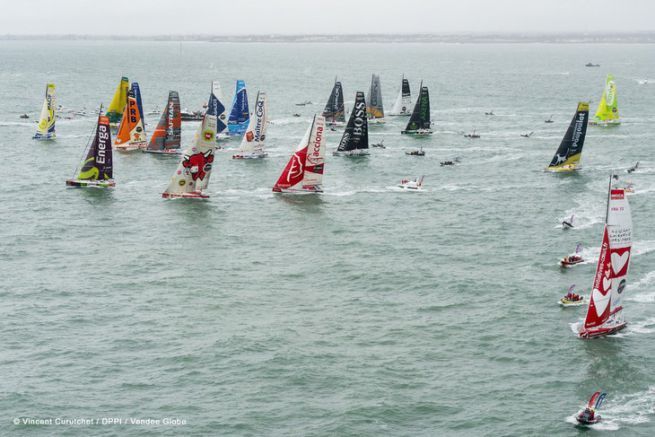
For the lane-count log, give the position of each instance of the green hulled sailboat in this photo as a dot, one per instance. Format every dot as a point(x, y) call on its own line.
point(607, 113)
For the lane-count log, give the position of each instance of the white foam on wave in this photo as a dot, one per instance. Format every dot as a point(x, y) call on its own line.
point(374, 190)
point(286, 121)
point(629, 409)
point(642, 327)
point(604, 425)
point(575, 326)
point(587, 213)
point(591, 254)
point(647, 280)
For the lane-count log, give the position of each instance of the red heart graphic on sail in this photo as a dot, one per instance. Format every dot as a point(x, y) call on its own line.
point(607, 284)
point(620, 261)
point(601, 301)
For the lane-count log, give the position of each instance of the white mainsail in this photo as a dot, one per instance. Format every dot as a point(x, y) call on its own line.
point(252, 144)
point(191, 177)
point(403, 103)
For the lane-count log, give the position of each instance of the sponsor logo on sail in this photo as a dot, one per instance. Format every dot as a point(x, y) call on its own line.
point(103, 137)
point(259, 112)
point(316, 151)
point(198, 164)
point(360, 119)
point(295, 169)
point(577, 130)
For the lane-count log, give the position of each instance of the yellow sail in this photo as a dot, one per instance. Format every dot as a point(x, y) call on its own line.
point(46, 128)
point(118, 102)
point(608, 111)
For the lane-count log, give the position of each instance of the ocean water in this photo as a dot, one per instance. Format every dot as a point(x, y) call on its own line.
point(362, 311)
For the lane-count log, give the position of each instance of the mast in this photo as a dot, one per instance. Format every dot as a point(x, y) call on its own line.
point(609, 191)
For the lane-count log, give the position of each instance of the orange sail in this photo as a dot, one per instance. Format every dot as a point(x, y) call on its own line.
point(131, 134)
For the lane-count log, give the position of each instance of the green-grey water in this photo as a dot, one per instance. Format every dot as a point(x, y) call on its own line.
point(363, 311)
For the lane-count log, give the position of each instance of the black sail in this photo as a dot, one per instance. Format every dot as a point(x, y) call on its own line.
point(420, 118)
point(405, 88)
point(355, 136)
point(334, 110)
point(570, 149)
point(98, 163)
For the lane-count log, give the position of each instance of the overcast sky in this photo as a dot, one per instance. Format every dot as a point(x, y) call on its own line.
point(238, 17)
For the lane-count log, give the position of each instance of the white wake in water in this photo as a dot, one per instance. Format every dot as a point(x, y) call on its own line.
point(630, 409)
point(591, 254)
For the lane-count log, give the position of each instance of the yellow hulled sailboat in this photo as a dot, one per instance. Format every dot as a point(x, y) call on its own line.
point(607, 113)
point(569, 152)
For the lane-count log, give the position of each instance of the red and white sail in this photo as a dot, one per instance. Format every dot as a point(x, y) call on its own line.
point(304, 171)
point(605, 313)
point(192, 175)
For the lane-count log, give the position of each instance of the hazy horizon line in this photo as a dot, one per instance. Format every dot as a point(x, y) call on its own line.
point(645, 36)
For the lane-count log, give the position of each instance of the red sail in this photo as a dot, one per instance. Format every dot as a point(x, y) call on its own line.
point(599, 303)
point(294, 171)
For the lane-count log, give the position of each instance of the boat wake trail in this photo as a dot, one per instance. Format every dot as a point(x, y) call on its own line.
point(631, 409)
point(591, 254)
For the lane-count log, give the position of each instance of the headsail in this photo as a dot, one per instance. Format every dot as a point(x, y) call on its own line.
point(46, 127)
point(355, 137)
point(97, 167)
point(334, 110)
point(240, 114)
point(131, 134)
point(222, 116)
point(605, 313)
point(118, 102)
point(304, 171)
point(192, 175)
point(252, 144)
point(569, 152)
point(419, 122)
point(168, 134)
point(403, 101)
point(374, 106)
point(608, 110)
point(216, 107)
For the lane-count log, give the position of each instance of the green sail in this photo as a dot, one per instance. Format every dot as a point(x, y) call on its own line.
point(608, 110)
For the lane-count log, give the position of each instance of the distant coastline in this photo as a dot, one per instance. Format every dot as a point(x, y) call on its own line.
point(453, 38)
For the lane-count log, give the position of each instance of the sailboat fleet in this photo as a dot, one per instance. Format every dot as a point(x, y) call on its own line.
point(125, 112)
point(303, 173)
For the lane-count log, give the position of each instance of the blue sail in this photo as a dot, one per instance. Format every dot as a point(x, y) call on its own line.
point(239, 118)
point(137, 94)
point(215, 107)
point(600, 400)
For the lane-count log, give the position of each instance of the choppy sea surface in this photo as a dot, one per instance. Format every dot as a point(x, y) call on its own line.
point(362, 311)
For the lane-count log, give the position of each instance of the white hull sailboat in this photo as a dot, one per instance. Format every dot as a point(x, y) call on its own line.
point(403, 105)
point(605, 310)
point(252, 144)
point(191, 177)
point(303, 173)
